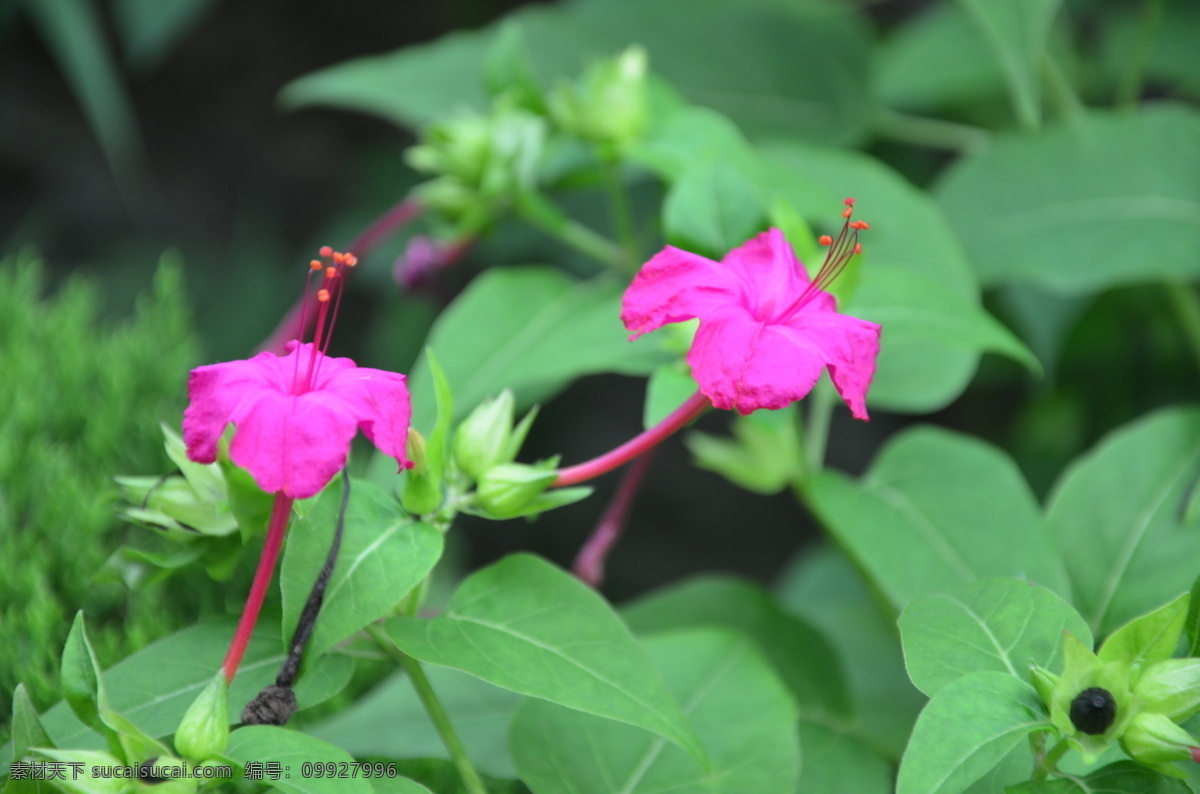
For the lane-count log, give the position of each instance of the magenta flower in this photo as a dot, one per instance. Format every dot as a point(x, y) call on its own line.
point(294, 415)
point(766, 331)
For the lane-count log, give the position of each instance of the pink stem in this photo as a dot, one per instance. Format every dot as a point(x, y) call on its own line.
point(280, 513)
point(589, 565)
point(298, 320)
point(680, 417)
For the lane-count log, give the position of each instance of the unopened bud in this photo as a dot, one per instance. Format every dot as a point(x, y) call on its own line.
point(1171, 688)
point(421, 489)
point(1154, 739)
point(506, 490)
point(481, 441)
point(204, 730)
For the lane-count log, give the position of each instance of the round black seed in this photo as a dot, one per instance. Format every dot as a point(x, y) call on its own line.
point(146, 774)
point(1093, 711)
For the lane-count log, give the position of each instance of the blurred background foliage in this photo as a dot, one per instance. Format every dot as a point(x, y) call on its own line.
point(218, 128)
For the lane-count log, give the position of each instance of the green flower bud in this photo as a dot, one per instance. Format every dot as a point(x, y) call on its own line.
point(482, 440)
point(204, 730)
point(421, 488)
point(93, 776)
point(1090, 728)
point(1171, 688)
point(1044, 682)
point(1154, 739)
point(607, 104)
point(506, 490)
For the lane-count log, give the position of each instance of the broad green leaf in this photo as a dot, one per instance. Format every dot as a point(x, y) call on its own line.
point(524, 625)
point(1038, 208)
point(1018, 32)
point(397, 785)
point(966, 729)
point(384, 554)
point(936, 510)
point(936, 58)
point(801, 656)
point(740, 711)
point(268, 744)
point(669, 387)
point(914, 278)
point(155, 686)
point(712, 209)
point(994, 624)
point(565, 328)
point(442, 777)
point(1115, 513)
point(1191, 626)
point(82, 688)
point(824, 588)
point(390, 721)
point(690, 42)
point(837, 761)
point(1123, 777)
point(1148, 639)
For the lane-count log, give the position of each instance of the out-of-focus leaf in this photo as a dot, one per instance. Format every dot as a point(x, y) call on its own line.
point(151, 28)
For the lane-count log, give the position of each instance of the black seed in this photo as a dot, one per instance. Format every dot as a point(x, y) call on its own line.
point(146, 774)
point(1093, 711)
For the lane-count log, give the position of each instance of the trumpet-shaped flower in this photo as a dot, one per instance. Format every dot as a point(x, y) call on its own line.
point(766, 331)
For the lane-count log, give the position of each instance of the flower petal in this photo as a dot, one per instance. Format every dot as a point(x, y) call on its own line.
point(847, 345)
point(745, 364)
point(292, 443)
point(214, 392)
point(771, 276)
point(674, 286)
point(379, 401)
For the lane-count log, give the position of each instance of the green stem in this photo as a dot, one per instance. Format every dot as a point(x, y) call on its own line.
point(1187, 306)
point(820, 413)
point(934, 133)
point(618, 201)
point(433, 707)
point(1129, 87)
point(1049, 762)
point(536, 209)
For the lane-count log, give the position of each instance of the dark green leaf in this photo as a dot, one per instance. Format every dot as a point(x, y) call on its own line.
point(1191, 626)
point(566, 328)
point(966, 730)
point(994, 624)
point(269, 744)
point(384, 555)
point(1116, 516)
point(390, 721)
point(741, 713)
point(81, 684)
point(1108, 200)
point(936, 510)
point(712, 209)
point(1123, 777)
point(27, 730)
point(525, 625)
point(837, 761)
point(150, 29)
point(800, 654)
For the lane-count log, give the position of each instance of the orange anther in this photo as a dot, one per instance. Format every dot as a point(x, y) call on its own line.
point(323, 295)
point(315, 264)
point(339, 257)
point(825, 239)
point(859, 225)
point(849, 202)
point(326, 251)
point(846, 212)
point(330, 272)
point(351, 260)
point(858, 248)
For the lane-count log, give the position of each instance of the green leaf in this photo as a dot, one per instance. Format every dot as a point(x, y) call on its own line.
point(1018, 31)
point(690, 42)
point(82, 688)
point(397, 785)
point(712, 209)
point(824, 588)
point(1135, 220)
point(914, 279)
point(800, 654)
point(936, 510)
point(1148, 639)
point(741, 713)
point(669, 387)
point(1191, 625)
point(525, 625)
point(837, 761)
point(150, 29)
point(1115, 513)
point(994, 624)
point(764, 455)
point(269, 744)
point(1123, 777)
point(27, 730)
point(390, 722)
point(967, 729)
point(443, 399)
point(565, 329)
point(384, 555)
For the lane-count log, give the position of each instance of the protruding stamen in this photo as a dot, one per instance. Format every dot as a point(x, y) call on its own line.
point(326, 251)
point(350, 260)
point(846, 212)
point(849, 202)
point(323, 295)
point(331, 272)
point(316, 264)
point(825, 240)
point(841, 249)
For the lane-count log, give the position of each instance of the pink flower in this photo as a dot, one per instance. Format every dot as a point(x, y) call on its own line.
point(296, 414)
point(766, 331)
